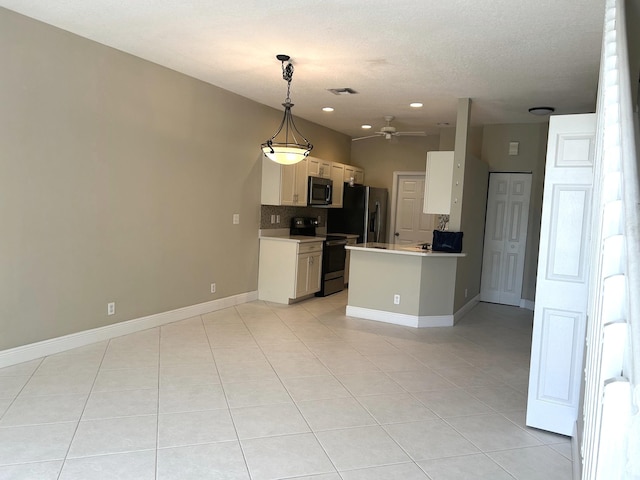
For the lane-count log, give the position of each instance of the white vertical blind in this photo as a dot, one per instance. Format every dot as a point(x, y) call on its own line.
point(611, 440)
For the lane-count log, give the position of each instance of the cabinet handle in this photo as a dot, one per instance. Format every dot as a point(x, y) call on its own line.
point(311, 260)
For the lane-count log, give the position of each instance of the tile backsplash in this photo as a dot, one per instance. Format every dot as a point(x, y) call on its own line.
point(286, 213)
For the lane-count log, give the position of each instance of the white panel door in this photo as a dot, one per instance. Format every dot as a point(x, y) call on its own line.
point(505, 238)
point(560, 317)
point(412, 225)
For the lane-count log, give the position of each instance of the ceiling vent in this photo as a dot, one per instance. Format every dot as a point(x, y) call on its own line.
point(343, 91)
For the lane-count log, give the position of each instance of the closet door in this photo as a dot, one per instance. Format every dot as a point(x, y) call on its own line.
point(562, 283)
point(505, 238)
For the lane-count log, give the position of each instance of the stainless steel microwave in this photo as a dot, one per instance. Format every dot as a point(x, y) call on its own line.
point(320, 191)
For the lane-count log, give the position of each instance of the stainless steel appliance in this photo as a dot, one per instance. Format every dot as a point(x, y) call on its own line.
point(320, 191)
point(333, 255)
point(333, 260)
point(364, 212)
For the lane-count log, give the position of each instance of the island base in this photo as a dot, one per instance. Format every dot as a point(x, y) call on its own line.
point(418, 321)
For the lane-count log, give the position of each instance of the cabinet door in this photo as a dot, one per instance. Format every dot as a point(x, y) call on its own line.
point(313, 166)
point(353, 172)
point(337, 175)
point(302, 276)
point(301, 183)
point(315, 272)
point(438, 183)
point(349, 173)
point(288, 184)
point(325, 169)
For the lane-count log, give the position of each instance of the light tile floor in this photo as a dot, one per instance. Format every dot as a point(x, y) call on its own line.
point(263, 391)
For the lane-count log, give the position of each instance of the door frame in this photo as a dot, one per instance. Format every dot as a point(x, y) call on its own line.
point(394, 201)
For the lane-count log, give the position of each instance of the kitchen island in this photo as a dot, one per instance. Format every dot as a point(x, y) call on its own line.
point(402, 284)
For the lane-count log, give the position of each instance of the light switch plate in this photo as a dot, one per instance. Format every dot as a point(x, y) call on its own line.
point(513, 148)
point(236, 218)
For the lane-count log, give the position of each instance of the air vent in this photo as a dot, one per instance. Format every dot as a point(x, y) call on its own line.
point(343, 91)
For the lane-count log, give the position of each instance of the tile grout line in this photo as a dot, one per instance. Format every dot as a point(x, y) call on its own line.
point(75, 432)
point(287, 390)
point(224, 392)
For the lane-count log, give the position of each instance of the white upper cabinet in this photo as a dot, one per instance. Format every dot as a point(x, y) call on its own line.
point(356, 173)
point(284, 184)
point(438, 183)
point(288, 184)
point(337, 175)
point(318, 167)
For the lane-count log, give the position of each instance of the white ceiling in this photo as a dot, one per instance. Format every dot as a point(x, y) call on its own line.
point(506, 55)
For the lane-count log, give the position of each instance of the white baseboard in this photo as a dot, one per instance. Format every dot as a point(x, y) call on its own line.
point(32, 351)
point(466, 308)
point(417, 321)
point(528, 304)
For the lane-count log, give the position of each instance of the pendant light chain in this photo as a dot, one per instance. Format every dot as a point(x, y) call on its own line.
point(287, 74)
point(288, 150)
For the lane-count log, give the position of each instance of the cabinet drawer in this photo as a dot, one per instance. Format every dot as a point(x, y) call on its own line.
point(309, 247)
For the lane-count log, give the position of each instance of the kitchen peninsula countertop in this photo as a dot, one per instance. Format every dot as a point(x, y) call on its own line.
point(282, 235)
point(402, 284)
point(391, 248)
point(294, 238)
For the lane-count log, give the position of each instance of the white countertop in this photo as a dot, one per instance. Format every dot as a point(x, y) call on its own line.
point(293, 238)
point(390, 248)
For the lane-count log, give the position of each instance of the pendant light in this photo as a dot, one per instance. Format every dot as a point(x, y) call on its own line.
point(287, 149)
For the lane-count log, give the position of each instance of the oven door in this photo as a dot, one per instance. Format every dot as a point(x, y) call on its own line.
point(334, 256)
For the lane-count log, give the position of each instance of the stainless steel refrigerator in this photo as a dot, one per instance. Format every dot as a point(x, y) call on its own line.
point(364, 212)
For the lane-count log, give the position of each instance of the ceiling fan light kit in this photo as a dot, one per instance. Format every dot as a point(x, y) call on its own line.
point(287, 149)
point(388, 132)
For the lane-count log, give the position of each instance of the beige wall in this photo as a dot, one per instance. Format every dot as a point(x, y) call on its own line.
point(119, 179)
point(489, 144)
point(380, 157)
point(531, 158)
point(474, 206)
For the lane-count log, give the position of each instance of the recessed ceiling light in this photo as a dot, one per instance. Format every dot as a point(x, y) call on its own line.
point(327, 109)
point(542, 110)
point(366, 126)
point(415, 105)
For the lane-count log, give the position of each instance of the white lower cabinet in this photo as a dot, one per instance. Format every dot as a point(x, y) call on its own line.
point(288, 270)
point(308, 274)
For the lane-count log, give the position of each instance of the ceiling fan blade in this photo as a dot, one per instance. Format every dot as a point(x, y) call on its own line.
point(411, 134)
point(363, 138)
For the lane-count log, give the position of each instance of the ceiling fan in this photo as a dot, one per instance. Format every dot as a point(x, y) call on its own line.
point(388, 132)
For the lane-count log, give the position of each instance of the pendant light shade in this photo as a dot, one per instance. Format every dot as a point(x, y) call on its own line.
point(287, 146)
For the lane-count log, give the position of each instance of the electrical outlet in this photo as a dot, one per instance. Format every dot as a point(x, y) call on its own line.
point(273, 219)
point(213, 288)
point(396, 299)
point(111, 308)
point(277, 218)
point(236, 218)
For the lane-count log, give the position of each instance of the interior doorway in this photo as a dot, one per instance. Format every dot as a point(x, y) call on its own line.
point(408, 223)
point(505, 238)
